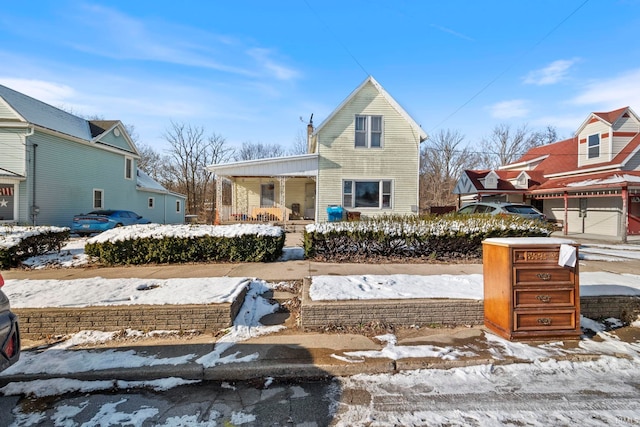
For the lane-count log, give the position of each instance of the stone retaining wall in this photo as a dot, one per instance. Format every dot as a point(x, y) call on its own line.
point(406, 312)
point(37, 323)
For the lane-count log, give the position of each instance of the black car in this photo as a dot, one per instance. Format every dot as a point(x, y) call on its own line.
point(9, 332)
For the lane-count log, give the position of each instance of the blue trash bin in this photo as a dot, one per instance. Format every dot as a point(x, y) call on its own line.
point(335, 213)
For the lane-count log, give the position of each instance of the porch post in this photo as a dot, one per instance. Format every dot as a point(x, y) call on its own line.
point(283, 207)
point(566, 215)
point(625, 214)
point(216, 217)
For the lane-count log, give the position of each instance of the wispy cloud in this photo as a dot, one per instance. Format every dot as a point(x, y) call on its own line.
point(452, 32)
point(48, 92)
point(119, 36)
point(514, 108)
point(551, 74)
point(263, 57)
point(615, 92)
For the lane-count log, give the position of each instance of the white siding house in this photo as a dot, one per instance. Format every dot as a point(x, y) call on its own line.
point(54, 165)
point(364, 157)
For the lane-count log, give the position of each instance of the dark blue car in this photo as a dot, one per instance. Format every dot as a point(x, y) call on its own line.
point(99, 221)
point(9, 332)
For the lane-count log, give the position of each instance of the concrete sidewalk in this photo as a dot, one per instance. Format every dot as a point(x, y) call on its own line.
point(305, 356)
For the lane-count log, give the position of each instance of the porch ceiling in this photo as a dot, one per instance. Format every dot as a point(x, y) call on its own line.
point(303, 165)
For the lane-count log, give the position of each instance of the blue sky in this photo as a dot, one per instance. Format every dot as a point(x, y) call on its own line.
point(250, 70)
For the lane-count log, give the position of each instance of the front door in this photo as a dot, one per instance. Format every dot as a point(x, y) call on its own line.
point(310, 200)
point(267, 195)
point(634, 214)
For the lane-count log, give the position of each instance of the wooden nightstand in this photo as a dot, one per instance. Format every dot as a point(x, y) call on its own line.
point(527, 295)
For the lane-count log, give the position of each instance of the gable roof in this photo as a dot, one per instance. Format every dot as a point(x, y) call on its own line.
point(504, 179)
point(98, 127)
point(44, 115)
point(611, 116)
point(370, 80)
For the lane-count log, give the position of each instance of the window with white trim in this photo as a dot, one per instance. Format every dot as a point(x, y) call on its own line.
point(128, 168)
point(368, 131)
point(593, 146)
point(98, 199)
point(151, 203)
point(367, 194)
point(267, 195)
point(178, 206)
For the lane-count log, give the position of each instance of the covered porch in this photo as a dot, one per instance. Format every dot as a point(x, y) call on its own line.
point(279, 190)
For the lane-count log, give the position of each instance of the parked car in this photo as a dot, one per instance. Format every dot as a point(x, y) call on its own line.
point(9, 332)
point(496, 208)
point(99, 221)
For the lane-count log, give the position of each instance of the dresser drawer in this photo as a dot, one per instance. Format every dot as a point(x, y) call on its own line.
point(541, 320)
point(543, 297)
point(538, 276)
point(536, 256)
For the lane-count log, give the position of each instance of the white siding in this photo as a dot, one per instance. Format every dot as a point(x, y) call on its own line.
point(6, 112)
point(12, 151)
point(605, 144)
point(626, 124)
point(396, 161)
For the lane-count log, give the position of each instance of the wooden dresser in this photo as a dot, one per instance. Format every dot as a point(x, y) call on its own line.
point(527, 294)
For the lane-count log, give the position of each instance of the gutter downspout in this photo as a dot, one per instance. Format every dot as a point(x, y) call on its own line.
point(34, 208)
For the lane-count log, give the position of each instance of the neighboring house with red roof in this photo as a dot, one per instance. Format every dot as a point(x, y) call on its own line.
point(590, 183)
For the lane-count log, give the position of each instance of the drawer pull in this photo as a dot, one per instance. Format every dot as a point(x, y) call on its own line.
point(543, 298)
point(544, 276)
point(544, 321)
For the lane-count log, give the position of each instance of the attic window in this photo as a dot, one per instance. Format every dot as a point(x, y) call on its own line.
point(368, 132)
point(593, 146)
point(491, 182)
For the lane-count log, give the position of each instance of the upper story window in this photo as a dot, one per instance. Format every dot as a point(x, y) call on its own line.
point(593, 146)
point(369, 131)
point(128, 168)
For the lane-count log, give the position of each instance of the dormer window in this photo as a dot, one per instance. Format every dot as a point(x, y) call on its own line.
point(593, 146)
point(368, 132)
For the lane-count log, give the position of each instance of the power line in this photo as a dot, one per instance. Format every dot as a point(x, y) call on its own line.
point(491, 82)
point(337, 39)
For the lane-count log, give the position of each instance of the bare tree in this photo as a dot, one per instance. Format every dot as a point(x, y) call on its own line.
point(442, 161)
point(190, 153)
point(299, 144)
point(151, 162)
point(258, 150)
point(505, 145)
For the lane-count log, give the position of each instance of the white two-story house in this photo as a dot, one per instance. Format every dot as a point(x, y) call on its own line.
point(364, 158)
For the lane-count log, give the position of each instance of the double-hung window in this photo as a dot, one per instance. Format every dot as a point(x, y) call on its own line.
point(128, 168)
point(368, 131)
point(367, 194)
point(98, 199)
point(593, 146)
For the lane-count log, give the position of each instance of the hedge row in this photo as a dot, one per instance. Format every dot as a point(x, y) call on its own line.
point(19, 242)
point(171, 244)
point(442, 238)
